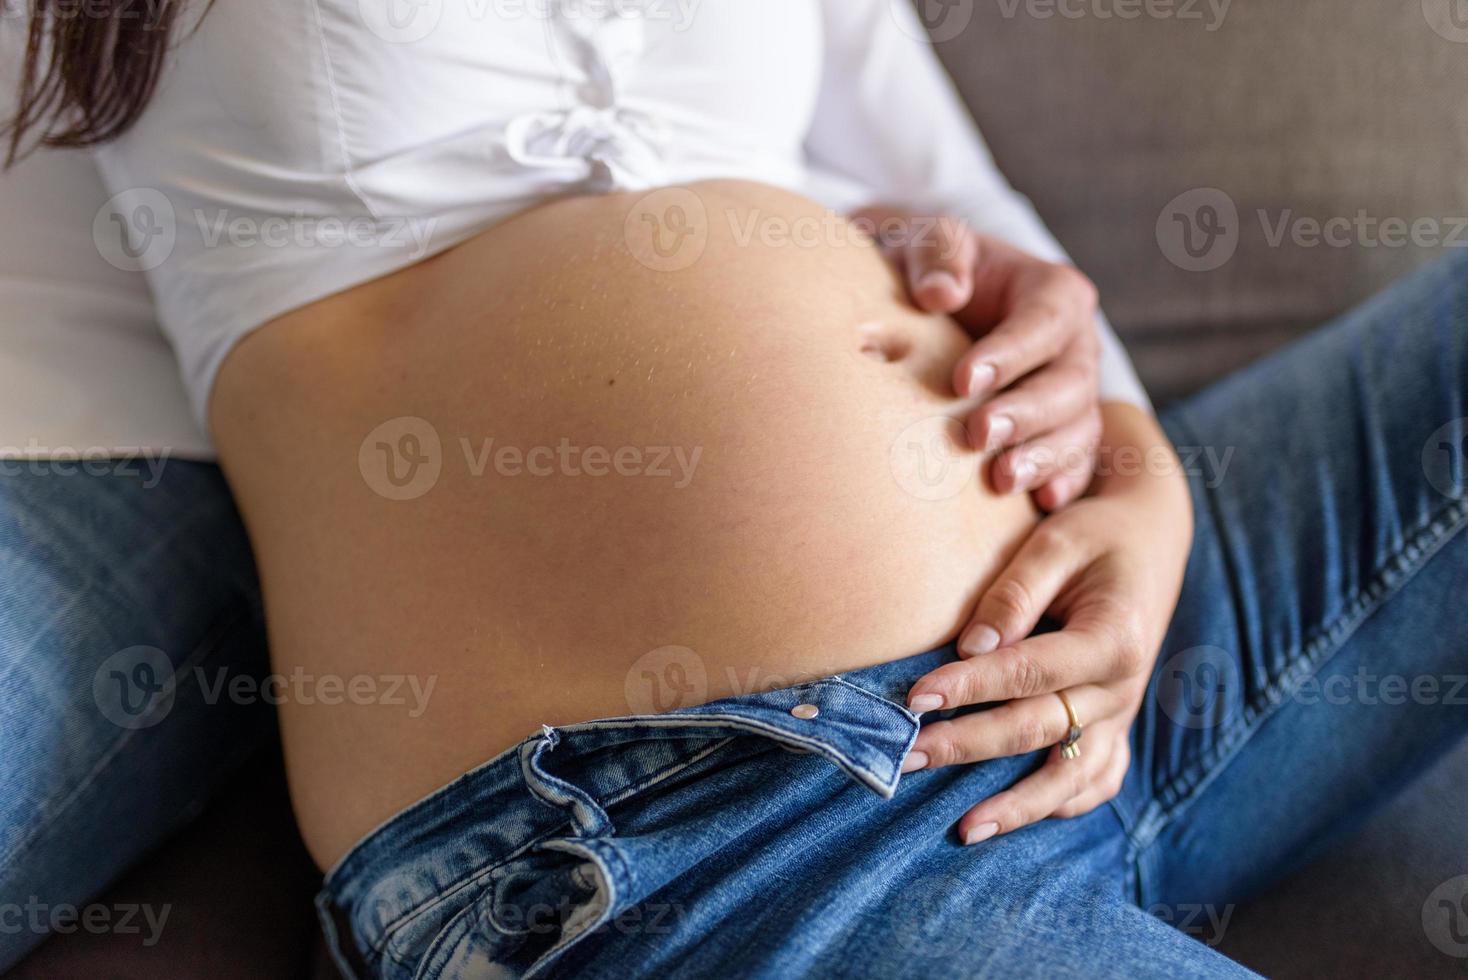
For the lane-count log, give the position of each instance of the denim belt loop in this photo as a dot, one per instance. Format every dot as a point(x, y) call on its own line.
point(587, 815)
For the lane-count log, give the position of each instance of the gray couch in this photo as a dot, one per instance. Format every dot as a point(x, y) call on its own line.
point(1113, 126)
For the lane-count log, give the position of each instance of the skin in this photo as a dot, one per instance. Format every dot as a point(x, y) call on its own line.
point(532, 600)
point(1036, 361)
point(1110, 569)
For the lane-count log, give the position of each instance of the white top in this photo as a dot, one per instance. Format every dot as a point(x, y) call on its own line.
point(84, 370)
point(297, 148)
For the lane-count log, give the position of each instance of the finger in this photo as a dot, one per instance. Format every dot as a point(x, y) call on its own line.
point(1060, 394)
point(1011, 607)
point(1042, 664)
point(1030, 800)
point(939, 259)
point(1057, 310)
point(1069, 451)
point(1062, 490)
point(1015, 728)
point(1104, 787)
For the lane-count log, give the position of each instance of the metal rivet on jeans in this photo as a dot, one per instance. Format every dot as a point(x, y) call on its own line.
point(806, 711)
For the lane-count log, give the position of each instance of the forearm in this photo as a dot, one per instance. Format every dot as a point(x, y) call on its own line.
point(1137, 458)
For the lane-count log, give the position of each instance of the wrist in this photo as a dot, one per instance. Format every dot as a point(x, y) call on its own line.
point(1136, 459)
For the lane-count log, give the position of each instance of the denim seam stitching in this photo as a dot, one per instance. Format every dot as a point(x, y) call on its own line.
point(649, 781)
point(1435, 532)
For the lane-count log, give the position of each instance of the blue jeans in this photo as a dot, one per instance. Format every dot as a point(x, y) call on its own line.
point(1315, 663)
point(126, 595)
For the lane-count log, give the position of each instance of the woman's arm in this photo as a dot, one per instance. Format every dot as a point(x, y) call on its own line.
point(891, 128)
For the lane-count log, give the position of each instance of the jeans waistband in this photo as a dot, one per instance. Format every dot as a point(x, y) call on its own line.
point(560, 780)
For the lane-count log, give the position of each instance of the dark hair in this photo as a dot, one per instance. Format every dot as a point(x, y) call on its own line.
point(90, 68)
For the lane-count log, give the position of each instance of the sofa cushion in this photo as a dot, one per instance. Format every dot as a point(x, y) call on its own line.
point(1312, 109)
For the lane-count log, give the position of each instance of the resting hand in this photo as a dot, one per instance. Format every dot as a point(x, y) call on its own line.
point(1109, 568)
point(1037, 348)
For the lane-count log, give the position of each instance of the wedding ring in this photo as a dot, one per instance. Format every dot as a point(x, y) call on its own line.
point(1069, 747)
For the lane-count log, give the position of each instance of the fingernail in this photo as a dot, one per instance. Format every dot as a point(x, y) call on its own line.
point(1024, 472)
point(915, 761)
point(1001, 427)
point(938, 279)
point(925, 702)
point(982, 379)
point(981, 833)
point(979, 640)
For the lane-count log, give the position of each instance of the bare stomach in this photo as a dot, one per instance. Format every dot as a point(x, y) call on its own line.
point(547, 477)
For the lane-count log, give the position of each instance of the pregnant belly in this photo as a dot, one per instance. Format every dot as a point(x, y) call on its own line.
point(618, 454)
